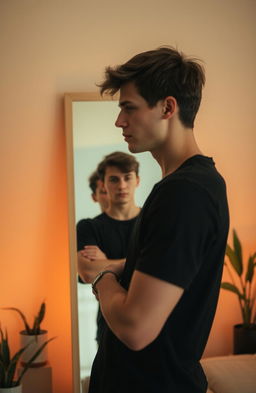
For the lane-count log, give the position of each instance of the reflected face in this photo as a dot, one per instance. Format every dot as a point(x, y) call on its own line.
point(120, 186)
point(101, 196)
point(143, 127)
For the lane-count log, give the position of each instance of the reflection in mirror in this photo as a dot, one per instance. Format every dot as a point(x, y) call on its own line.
point(91, 122)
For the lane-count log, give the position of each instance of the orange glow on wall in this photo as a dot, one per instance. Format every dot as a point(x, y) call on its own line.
point(47, 51)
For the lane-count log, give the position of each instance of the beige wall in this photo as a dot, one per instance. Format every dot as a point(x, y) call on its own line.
point(49, 47)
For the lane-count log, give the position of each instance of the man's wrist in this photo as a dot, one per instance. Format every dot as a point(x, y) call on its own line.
point(99, 277)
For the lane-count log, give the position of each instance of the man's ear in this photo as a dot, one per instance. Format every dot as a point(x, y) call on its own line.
point(101, 184)
point(169, 107)
point(94, 198)
point(138, 181)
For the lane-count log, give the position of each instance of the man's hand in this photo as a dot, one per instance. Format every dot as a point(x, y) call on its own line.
point(93, 252)
point(88, 268)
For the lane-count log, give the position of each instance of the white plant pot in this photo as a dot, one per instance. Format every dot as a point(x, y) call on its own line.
point(35, 344)
point(16, 389)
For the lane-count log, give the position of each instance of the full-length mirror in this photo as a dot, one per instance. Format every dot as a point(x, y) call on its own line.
point(91, 134)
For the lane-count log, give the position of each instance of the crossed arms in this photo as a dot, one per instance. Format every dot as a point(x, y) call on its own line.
point(135, 316)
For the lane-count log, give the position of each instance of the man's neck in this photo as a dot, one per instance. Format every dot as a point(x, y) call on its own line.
point(123, 212)
point(179, 146)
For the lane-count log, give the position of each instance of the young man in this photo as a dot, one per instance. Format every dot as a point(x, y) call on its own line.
point(104, 239)
point(160, 308)
point(99, 194)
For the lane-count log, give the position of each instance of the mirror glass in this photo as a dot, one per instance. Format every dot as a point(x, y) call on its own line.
point(91, 134)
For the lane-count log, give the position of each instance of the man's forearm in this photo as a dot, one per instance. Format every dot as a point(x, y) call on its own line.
point(112, 297)
point(136, 316)
point(101, 264)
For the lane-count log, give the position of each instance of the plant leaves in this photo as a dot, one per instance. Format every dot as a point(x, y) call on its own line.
point(247, 313)
point(232, 288)
point(38, 319)
point(1, 333)
point(27, 328)
point(36, 327)
point(238, 248)
point(234, 260)
point(8, 365)
point(5, 352)
point(33, 358)
point(41, 313)
point(250, 269)
point(10, 372)
point(2, 374)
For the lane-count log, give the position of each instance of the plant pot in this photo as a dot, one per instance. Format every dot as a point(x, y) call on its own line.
point(15, 389)
point(244, 339)
point(35, 343)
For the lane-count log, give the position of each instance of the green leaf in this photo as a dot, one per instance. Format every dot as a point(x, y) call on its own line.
point(39, 318)
point(232, 288)
point(41, 313)
point(247, 311)
point(2, 339)
point(10, 372)
point(5, 352)
point(27, 328)
point(250, 269)
point(234, 260)
point(18, 354)
point(33, 358)
point(36, 327)
point(238, 249)
point(1, 333)
point(2, 373)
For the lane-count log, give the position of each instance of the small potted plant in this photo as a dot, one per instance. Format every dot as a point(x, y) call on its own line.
point(244, 287)
point(34, 335)
point(9, 381)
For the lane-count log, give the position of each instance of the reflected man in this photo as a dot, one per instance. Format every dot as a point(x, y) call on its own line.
point(105, 238)
point(99, 194)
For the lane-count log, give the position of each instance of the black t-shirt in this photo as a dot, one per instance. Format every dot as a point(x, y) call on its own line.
point(111, 236)
point(179, 237)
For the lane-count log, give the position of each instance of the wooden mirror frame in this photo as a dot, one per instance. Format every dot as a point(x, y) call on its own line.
point(69, 99)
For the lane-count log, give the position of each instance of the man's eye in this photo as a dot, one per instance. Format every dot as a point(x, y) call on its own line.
point(129, 108)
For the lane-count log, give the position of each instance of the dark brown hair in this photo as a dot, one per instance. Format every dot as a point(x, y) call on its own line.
point(93, 181)
point(123, 161)
point(158, 74)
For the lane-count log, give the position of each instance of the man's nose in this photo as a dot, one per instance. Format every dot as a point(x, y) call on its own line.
point(120, 121)
point(122, 183)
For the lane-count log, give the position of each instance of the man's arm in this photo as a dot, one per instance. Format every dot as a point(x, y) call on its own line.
point(89, 268)
point(136, 316)
point(94, 252)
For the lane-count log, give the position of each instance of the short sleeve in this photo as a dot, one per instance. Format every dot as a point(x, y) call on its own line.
point(85, 234)
point(177, 227)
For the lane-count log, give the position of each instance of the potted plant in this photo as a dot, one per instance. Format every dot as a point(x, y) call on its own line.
point(34, 335)
point(243, 286)
point(9, 382)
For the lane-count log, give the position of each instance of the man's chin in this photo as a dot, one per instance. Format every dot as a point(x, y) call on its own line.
point(136, 149)
point(122, 201)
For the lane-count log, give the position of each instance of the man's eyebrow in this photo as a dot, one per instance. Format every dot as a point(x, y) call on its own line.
point(123, 103)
